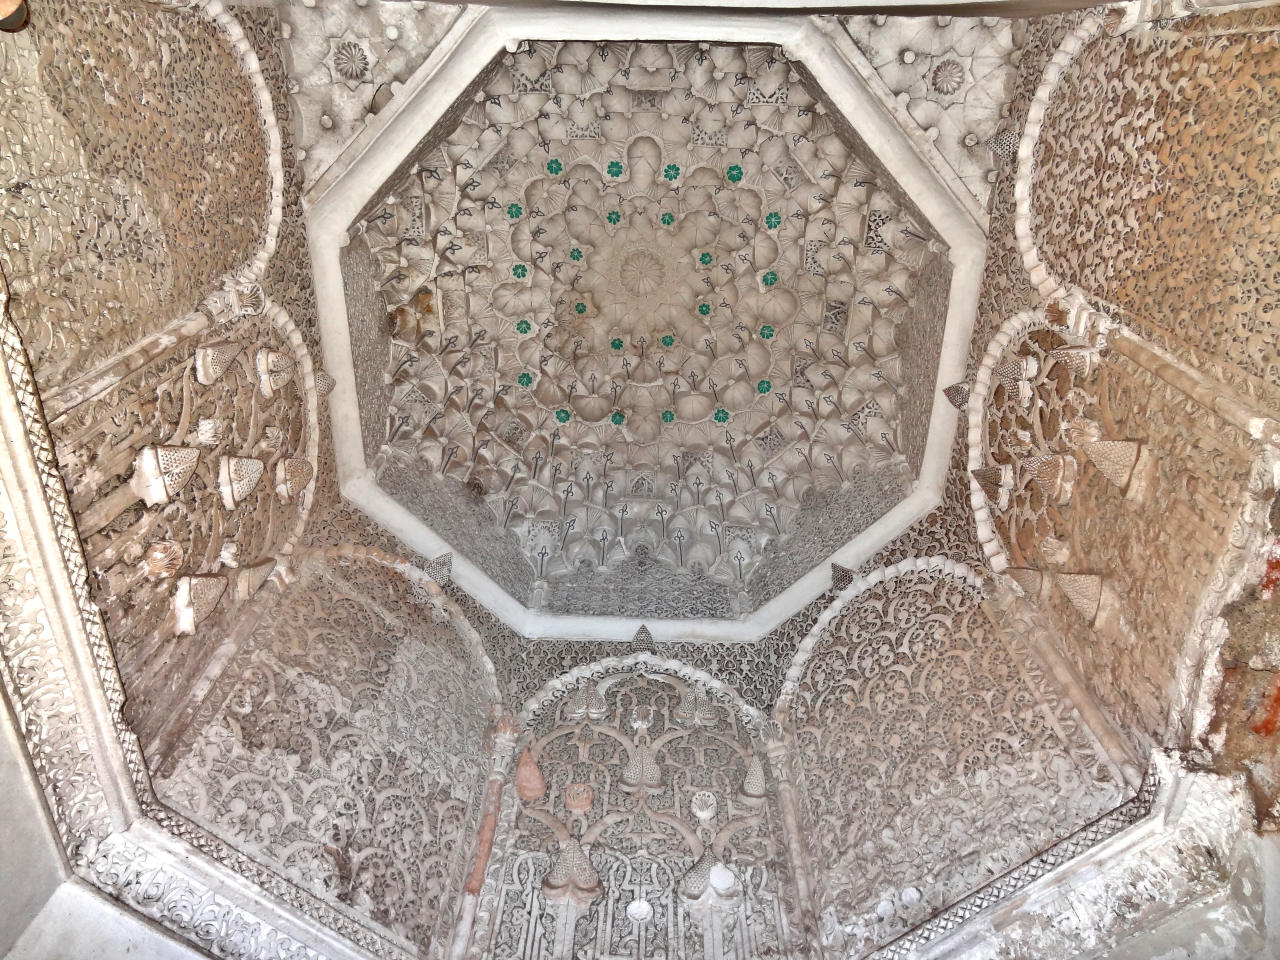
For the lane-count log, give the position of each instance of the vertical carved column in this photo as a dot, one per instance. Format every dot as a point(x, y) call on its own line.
point(779, 753)
point(505, 733)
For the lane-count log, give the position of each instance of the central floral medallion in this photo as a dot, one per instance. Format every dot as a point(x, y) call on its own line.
point(642, 273)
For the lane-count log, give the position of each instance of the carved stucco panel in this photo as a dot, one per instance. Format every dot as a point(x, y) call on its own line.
point(165, 402)
point(345, 64)
point(1144, 198)
point(346, 745)
point(946, 531)
point(103, 241)
point(159, 890)
point(953, 75)
point(111, 239)
point(910, 717)
point(1160, 554)
point(75, 735)
point(642, 784)
point(1154, 533)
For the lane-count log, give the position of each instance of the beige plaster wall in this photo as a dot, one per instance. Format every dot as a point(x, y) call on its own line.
point(79, 922)
point(32, 868)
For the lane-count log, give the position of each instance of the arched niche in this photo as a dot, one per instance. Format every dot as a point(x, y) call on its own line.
point(929, 753)
point(646, 823)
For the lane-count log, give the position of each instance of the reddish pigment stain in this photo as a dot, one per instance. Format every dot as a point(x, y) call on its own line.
point(1271, 578)
point(1271, 715)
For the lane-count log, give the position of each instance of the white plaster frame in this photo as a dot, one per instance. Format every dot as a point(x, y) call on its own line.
point(1049, 286)
point(480, 33)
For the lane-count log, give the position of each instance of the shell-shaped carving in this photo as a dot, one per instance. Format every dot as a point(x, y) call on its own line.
point(213, 359)
point(292, 476)
point(350, 60)
point(237, 477)
point(324, 383)
point(160, 472)
point(275, 369)
point(162, 559)
point(250, 299)
point(957, 395)
point(703, 805)
point(234, 301)
point(195, 599)
point(1081, 431)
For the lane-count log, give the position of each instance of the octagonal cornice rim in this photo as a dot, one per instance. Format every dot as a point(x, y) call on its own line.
point(476, 37)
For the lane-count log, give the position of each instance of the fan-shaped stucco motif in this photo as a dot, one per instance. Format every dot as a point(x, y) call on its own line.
point(645, 304)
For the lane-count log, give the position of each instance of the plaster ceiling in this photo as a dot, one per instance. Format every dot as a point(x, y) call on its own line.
point(643, 331)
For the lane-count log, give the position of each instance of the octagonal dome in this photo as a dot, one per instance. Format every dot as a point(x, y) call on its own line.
point(642, 331)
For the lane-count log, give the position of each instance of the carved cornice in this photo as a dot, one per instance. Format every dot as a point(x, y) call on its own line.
point(1170, 848)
